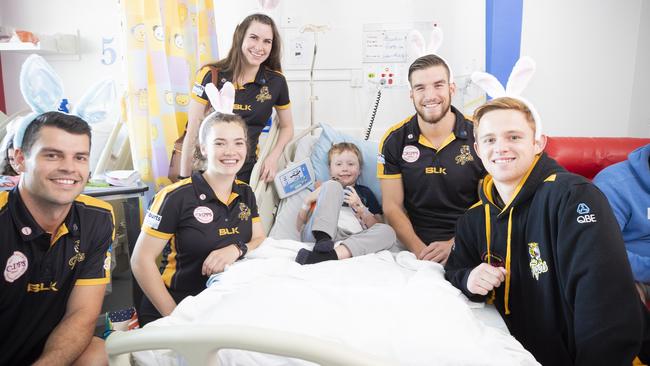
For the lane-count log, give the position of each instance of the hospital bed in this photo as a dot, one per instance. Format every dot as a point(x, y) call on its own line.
point(381, 309)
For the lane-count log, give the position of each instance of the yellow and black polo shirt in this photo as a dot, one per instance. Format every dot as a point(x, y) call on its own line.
point(439, 185)
point(254, 101)
point(196, 222)
point(40, 270)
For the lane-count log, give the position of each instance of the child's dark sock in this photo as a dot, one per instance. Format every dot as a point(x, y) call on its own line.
point(321, 235)
point(323, 243)
point(308, 257)
point(324, 246)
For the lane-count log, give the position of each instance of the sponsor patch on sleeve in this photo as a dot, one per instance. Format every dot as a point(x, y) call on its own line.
point(197, 89)
point(381, 159)
point(585, 214)
point(152, 220)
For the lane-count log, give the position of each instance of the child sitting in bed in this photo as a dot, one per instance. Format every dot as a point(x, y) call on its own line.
point(342, 210)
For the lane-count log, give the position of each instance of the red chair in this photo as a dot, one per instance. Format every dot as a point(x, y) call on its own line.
point(589, 155)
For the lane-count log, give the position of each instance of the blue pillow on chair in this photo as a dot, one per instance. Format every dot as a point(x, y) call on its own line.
point(369, 149)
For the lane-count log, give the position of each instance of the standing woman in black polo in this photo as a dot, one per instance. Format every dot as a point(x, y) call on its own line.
point(201, 224)
point(253, 66)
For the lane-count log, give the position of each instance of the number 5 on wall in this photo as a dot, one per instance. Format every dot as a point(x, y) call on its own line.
point(108, 53)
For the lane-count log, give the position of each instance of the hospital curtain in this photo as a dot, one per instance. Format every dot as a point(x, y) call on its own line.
point(166, 42)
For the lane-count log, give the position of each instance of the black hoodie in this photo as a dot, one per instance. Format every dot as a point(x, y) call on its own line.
point(569, 296)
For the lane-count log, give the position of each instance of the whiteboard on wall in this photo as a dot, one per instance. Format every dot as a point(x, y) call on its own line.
point(384, 45)
point(388, 42)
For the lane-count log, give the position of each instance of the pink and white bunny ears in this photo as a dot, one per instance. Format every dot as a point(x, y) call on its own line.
point(221, 100)
point(416, 46)
point(267, 5)
point(521, 74)
point(43, 91)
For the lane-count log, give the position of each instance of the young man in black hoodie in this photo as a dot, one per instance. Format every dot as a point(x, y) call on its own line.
point(544, 246)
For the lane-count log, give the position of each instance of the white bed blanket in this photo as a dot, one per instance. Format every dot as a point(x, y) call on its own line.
point(389, 305)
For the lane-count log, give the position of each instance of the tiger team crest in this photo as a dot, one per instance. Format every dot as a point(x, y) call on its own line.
point(537, 265)
point(78, 257)
point(244, 212)
point(464, 156)
point(264, 94)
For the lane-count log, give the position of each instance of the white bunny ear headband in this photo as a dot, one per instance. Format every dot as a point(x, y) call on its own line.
point(43, 91)
point(517, 82)
point(416, 46)
point(222, 100)
point(268, 4)
point(267, 7)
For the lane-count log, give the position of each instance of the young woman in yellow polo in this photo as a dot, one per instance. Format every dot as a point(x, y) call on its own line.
point(253, 66)
point(200, 224)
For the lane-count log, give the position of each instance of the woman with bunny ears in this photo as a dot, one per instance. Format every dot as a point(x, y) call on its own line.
point(253, 65)
point(201, 224)
point(542, 243)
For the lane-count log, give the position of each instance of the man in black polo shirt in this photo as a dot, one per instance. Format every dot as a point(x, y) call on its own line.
point(54, 248)
point(427, 166)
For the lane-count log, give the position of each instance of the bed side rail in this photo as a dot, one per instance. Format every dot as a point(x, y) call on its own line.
point(198, 343)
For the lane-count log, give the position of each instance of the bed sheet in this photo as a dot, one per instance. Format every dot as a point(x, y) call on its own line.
point(389, 305)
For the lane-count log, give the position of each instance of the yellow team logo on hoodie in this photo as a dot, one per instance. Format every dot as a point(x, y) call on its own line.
point(537, 265)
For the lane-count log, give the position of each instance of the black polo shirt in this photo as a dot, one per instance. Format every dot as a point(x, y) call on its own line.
point(254, 101)
point(196, 222)
point(40, 270)
point(439, 185)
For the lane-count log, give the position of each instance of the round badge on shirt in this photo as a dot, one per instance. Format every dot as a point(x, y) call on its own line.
point(16, 266)
point(203, 214)
point(410, 153)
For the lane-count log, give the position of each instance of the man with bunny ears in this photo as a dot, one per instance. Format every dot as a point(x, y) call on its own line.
point(428, 169)
point(542, 244)
point(55, 243)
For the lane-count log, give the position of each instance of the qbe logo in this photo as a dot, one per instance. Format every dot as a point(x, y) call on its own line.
point(585, 217)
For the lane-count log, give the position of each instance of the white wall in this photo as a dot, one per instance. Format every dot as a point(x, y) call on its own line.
point(344, 101)
point(100, 20)
point(586, 55)
point(639, 111)
point(593, 58)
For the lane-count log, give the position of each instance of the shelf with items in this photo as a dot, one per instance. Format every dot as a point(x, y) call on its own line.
point(47, 44)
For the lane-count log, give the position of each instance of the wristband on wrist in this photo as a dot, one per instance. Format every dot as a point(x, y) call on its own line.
point(242, 247)
point(238, 250)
